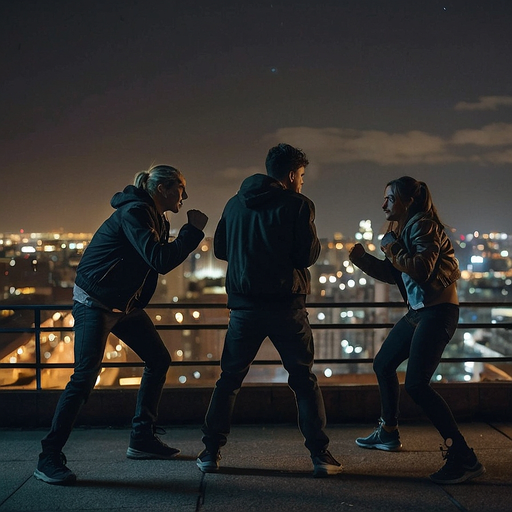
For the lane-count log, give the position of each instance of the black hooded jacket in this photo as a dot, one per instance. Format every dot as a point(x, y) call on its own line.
point(121, 264)
point(268, 237)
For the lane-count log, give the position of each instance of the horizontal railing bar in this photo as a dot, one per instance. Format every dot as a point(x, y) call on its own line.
point(37, 329)
point(263, 362)
point(209, 327)
point(207, 305)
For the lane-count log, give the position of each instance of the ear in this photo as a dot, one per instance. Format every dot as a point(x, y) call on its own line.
point(291, 176)
point(161, 189)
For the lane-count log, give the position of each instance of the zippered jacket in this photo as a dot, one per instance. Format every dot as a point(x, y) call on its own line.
point(268, 237)
point(120, 266)
point(422, 261)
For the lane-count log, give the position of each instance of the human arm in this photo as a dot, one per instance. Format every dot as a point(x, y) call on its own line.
point(219, 240)
point(417, 250)
point(306, 245)
point(369, 264)
point(142, 230)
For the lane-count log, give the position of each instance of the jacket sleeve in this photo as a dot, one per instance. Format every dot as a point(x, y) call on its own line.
point(381, 270)
point(219, 240)
point(417, 256)
point(143, 234)
point(306, 247)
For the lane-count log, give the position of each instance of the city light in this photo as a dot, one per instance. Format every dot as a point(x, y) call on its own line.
point(130, 381)
point(485, 265)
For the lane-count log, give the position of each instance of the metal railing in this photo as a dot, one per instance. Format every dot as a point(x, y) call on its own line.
point(37, 329)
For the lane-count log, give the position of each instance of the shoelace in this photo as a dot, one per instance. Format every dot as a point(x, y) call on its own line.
point(58, 459)
point(380, 426)
point(447, 455)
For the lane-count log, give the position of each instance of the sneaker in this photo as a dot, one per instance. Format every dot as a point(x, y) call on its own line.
point(208, 462)
point(150, 447)
point(381, 439)
point(325, 464)
point(457, 468)
point(52, 469)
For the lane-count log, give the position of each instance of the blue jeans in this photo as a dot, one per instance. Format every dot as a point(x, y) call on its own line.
point(420, 336)
point(290, 332)
point(92, 326)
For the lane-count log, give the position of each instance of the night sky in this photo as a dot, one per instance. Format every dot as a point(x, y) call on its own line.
point(93, 92)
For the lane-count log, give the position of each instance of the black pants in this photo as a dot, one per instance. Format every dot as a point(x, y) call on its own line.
point(290, 332)
point(92, 326)
point(420, 336)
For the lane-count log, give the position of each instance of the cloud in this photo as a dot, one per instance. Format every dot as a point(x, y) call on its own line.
point(496, 134)
point(496, 157)
point(485, 103)
point(326, 146)
point(336, 145)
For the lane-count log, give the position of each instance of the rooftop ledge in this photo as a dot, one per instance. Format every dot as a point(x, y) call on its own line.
point(270, 403)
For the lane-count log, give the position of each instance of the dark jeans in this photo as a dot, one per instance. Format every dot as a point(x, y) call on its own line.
point(421, 336)
point(290, 332)
point(92, 326)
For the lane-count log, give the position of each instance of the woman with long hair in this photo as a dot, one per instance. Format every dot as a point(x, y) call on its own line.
point(420, 260)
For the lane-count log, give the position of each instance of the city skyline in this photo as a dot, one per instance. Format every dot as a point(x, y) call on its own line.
point(95, 92)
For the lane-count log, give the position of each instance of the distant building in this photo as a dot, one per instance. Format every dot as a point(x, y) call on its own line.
point(39, 268)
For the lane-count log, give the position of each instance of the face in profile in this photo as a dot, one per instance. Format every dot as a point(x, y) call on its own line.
point(393, 208)
point(297, 179)
point(175, 195)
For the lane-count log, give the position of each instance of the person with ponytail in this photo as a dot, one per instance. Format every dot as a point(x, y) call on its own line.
point(420, 260)
point(115, 280)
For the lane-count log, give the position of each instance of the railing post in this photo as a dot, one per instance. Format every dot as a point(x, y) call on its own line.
point(37, 340)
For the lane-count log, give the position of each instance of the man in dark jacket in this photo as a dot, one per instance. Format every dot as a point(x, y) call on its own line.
point(268, 237)
point(115, 280)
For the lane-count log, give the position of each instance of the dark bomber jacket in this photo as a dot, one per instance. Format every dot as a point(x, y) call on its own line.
point(268, 237)
point(423, 252)
point(121, 264)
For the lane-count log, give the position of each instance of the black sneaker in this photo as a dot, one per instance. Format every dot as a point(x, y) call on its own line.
point(381, 439)
point(458, 468)
point(52, 469)
point(325, 464)
point(208, 462)
point(150, 447)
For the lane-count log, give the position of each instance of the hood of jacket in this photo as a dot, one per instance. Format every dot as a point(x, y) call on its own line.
point(259, 189)
point(131, 194)
point(112, 270)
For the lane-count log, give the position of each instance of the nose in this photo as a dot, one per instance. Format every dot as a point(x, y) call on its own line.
point(384, 204)
point(184, 195)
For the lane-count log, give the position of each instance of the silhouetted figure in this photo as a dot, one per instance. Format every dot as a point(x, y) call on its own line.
point(115, 280)
point(420, 260)
point(268, 237)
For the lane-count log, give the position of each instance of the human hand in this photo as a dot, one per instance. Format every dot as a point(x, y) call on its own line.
point(357, 251)
point(387, 241)
point(197, 218)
